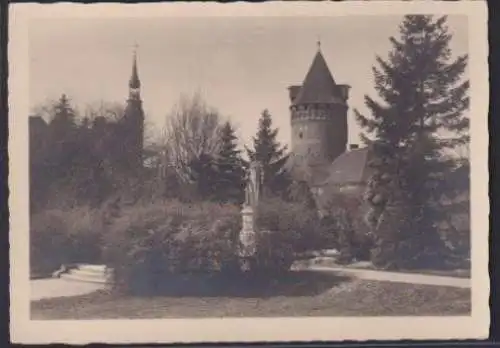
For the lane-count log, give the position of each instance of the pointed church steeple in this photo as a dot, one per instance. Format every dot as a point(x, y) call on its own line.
point(319, 85)
point(134, 82)
point(132, 123)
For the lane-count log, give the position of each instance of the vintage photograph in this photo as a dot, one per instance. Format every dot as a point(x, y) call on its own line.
point(203, 167)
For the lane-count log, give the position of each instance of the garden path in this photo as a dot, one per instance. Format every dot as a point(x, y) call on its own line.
point(55, 287)
point(397, 277)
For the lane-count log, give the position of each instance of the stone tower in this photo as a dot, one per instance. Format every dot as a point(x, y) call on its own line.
point(318, 120)
point(133, 121)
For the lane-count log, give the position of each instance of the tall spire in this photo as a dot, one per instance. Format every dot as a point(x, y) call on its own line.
point(134, 82)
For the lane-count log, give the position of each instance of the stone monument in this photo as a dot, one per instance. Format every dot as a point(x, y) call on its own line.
point(249, 211)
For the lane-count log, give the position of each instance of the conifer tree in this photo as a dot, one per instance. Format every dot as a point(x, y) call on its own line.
point(272, 156)
point(63, 116)
point(421, 114)
point(203, 174)
point(230, 181)
point(62, 137)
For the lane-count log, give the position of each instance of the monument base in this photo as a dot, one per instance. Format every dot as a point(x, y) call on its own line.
point(247, 233)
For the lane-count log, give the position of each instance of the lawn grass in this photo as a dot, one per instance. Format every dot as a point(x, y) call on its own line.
point(340, 297)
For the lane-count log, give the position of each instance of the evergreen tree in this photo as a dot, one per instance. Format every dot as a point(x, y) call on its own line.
point(272, 156)
point(62, 138)
point(421, 114)
point(63, 116)
point(230, 181)
point(203, 175)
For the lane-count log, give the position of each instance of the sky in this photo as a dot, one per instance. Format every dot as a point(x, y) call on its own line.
point(239, 65)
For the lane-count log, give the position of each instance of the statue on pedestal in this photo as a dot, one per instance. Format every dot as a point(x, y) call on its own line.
point(254, 183)
point(252, 192)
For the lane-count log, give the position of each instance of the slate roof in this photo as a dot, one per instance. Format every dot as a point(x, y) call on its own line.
point(37, 124)
point(37, 120)
point(293, 91)
point(303, 171)
point(349, 168)
point(319, 85)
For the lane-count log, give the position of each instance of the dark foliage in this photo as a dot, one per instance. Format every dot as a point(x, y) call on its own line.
point(79, 163)
point(272, 156)
point(64, 237)
point(230, 181)
point(423, 95)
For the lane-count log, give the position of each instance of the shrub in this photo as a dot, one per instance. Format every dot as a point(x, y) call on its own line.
point(455, 232)
point(300, 192)
point(343, 217)
point(151, 243)
point(63, 237)
point(156, 246)
point(85, 229)
point(48, 242)
point(285, 229)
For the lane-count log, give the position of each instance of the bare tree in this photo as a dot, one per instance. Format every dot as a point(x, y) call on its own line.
point(192, 130)
point(44, 110)
point(111, 111)
point(48, 109)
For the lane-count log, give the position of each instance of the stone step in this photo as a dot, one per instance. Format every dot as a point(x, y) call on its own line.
point(85, 277)
point(92, 268)
point(89, 273)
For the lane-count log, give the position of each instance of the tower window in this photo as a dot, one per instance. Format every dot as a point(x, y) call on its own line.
point(301, 135)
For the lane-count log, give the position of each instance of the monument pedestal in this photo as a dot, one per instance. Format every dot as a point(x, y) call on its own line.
point(247, 233)
point(248, 243)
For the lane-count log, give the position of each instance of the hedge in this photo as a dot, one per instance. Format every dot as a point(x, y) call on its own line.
point(152, 246)
point(68, 236)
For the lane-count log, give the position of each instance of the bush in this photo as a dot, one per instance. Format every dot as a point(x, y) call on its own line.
point(285, 229)
point(152, 247)
point(48, 242)
point(64, 237)
point(455, 227)
point(157, 246)
point(85, 228)
point(343, 218)
point(150, 244)
point(300, 192)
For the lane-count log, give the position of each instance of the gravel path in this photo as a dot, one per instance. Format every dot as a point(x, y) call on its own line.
point(55, 287)
point(396, 277)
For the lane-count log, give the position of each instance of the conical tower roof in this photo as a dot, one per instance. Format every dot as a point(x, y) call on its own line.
point(319, 85)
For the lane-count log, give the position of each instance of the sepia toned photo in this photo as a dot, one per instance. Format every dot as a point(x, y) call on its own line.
point(277, 172)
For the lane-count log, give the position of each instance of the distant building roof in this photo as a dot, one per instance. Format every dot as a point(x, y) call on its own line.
point(37, 121)
point(293, 91)
point(349, 168)
point(319, 85)
point(36, 118)
point(304, 171)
